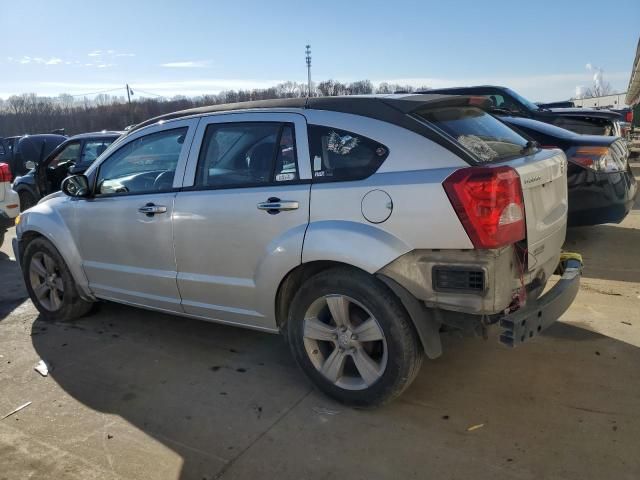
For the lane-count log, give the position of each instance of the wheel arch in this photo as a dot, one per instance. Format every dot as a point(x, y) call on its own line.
point(37, 225)
point(426, 325)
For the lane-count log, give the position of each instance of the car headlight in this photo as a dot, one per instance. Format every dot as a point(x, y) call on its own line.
point(599, 159)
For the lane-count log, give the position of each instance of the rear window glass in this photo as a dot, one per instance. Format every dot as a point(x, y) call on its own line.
point(486, 137)
point(338, 155)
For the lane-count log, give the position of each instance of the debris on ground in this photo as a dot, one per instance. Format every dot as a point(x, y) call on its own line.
point(325, 411)
point(42, 368)
point(626, 323)
point(16, 410)
point(475, 427)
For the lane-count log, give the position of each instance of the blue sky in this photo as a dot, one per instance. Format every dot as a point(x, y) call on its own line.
point(539, 47)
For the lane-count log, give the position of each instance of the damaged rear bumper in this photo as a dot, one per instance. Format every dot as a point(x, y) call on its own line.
point(540, 314)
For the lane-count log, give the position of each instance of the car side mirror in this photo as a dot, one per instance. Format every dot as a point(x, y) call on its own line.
point(77, 169)
point(30, 164)
point(76, 186)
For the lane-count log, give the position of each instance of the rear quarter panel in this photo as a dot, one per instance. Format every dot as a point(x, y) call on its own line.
point(422, 216)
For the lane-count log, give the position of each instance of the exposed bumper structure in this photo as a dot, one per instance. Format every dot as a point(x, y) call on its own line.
point(540, 314)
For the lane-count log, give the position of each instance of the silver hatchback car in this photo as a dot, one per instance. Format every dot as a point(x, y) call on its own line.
point(357, 226)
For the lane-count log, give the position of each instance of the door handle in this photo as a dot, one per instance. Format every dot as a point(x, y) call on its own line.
point(275, 205)
point(151, 209)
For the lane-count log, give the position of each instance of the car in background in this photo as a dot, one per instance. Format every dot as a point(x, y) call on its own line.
point(28, 150)
point(580, 120)
point(602, 187)
point(73, 156)
point(7, 146)
point(9, 202)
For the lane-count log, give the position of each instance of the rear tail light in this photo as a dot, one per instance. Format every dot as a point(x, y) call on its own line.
point(599, 159)
point(628, 117)
point(5, 172)
point(489, 203)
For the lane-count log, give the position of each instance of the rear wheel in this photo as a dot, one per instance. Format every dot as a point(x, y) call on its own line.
point(27, 200)
point(50, 284)
point(353, 338)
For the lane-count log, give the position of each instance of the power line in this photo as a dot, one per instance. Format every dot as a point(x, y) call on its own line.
point(149, 93)
point(96, 93)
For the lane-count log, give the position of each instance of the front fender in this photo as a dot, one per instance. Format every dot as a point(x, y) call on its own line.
point(358, 244)
point(50, 223)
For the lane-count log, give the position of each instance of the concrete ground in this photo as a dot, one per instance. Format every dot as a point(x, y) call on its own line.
point(139, 395)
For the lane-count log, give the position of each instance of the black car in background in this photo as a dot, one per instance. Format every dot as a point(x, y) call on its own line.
point(601, 185)
point(580, 120)
point(73, 156)
point(22, 150)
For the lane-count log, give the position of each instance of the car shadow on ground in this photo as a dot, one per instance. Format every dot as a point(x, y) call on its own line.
point(12, 289)
point(609, 252)
point(210, 392)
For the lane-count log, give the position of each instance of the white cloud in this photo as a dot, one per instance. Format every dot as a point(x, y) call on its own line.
point(105, 65)
point(95, 53)
point(125, 55)
point(26, 60)
point(187, 64)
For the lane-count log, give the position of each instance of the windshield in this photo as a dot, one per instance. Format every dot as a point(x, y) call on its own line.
point(524, 101)
point(486, 137)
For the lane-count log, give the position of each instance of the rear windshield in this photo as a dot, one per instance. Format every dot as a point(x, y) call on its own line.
point(485, 137)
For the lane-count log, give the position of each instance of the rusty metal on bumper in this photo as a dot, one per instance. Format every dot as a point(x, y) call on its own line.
point(540, 314)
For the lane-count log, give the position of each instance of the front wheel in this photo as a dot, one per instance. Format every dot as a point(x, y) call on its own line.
point(50, 283)
point(353, 338)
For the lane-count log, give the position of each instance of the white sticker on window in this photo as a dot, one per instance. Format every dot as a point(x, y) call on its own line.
point(285, 177)
point(341, 145)
point(317, 163)
point(478, 146)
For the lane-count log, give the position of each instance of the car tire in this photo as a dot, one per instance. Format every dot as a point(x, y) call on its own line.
point(353, 338)
point(27, 200)
point(50, 284)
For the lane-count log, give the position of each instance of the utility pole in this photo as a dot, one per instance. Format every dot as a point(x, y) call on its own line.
point(129, 99)
point(308, 58)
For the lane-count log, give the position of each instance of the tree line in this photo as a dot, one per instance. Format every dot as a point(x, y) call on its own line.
point(30, 113)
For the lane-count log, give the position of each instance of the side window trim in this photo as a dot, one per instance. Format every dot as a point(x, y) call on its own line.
point(191, 124)
point(300, 136)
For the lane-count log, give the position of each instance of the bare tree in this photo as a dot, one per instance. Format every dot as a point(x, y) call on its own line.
point(361, 87)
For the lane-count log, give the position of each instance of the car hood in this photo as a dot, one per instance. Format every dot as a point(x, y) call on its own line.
point(28, 177)
point(52, 195)
point(586, 112)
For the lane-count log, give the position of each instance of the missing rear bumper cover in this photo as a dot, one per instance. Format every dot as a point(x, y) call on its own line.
point(543, 312)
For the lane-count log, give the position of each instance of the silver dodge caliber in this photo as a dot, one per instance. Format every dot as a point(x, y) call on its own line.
point(359, 227)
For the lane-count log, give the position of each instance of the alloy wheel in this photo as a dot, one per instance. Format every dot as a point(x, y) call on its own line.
point(345, 342)
point(46, 281)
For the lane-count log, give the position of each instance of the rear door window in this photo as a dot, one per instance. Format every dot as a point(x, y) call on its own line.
point(338, 155)
point(247, 154)
point(488, 139)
